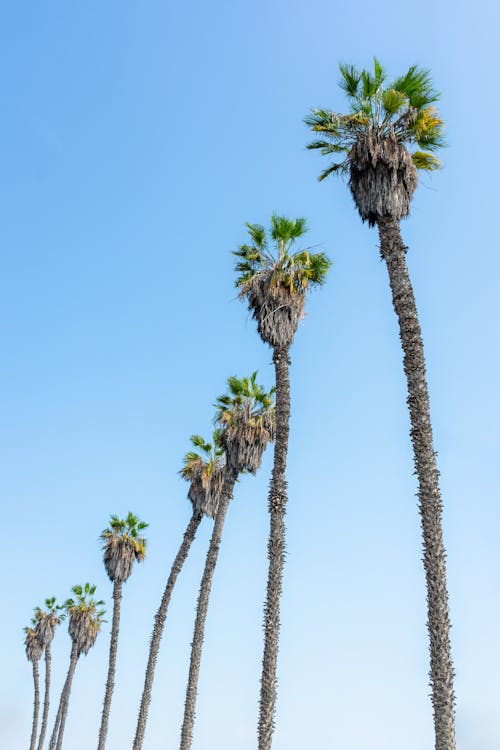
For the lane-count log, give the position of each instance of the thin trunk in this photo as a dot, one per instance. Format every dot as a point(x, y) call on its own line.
point(202, 608)
point(46, 700)
point(113, 648)
point(160, 618)
point(275, 551)
point(36, 704)
point(430, 504)
point(64, 712)
point(54, 740)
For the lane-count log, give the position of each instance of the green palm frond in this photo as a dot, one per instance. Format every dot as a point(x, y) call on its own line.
point(379, 73)
point(393, 101)
point(425, 161)
point(417, 87)
point(332, 169)
point(258, 235)
point(284, 230)
point(349, 81)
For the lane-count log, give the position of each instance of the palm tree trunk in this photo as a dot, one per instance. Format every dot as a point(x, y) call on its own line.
point(56, 738)
point(202, 608)
point(36, 704)
point(113, 648)
point(64, 712)
point(46, 700)
point(159, 625)
point(430, 504)
point(275, 551)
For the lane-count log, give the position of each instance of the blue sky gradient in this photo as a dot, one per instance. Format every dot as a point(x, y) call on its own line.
point(137, 138)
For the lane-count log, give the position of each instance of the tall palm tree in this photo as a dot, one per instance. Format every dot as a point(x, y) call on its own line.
point(379, 143)
point(246, 417)
point(122, 544)
point(204, 470)
point(274, 281)
point(33, 654)
point(85, 620)
point(46, 622)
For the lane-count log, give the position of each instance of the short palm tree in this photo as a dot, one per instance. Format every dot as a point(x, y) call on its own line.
point(85, 620)
point(204, 470)
point(123, 544)
point(47, 621)
point(33, 653)
point(246, 417)
point(391, 132)
point(274, 281)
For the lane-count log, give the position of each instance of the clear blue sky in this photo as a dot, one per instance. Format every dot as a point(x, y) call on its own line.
point(137, 138)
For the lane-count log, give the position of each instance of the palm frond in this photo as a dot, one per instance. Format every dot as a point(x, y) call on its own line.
point(393, 101)
point(332, 169)
point(379, 73)
point(258, 234)
point(417, 86)
point(350, 78)
point(426, 161)
point(284, 230)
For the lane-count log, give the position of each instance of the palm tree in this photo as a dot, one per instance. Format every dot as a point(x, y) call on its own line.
point(33, 654)
point(246, 417)
point(122, 545)
point(85, 620)
point(204, 470)
point(379, 144)
point(46, 622)
point(275, 285)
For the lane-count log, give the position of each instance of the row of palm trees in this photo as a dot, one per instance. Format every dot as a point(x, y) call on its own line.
point(122, 545)
point(85, 617)
point(389, 133)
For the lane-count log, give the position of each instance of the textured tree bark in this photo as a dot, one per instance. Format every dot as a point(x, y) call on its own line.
point(430, 504)
point(202, 608)
point(113, 648)
point(276, 551)
point(64, 711)
point(36, 704)
point(46, 700)
point(56, 738)
point(160, 618)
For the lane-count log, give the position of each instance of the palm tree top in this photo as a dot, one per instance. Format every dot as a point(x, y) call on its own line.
point(206, 457)
point(293, 271)
point(126, 530)
point(52, 609)
point(403, 108)
point(243, 394)
point(123, 543)
point(84, 601)
point(31, 643)
point(47, 619)
point(85, 617)
point(204, 469)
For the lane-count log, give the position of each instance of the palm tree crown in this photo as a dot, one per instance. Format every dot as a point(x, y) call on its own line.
point(85, 617)
point(204, 469)
point(32, 644)
point(275, 283)
point(246, 416)
point(123, 544)
point(47, 620)
point(373, 141)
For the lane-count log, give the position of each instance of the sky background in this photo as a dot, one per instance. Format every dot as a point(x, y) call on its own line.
point(137, 138)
